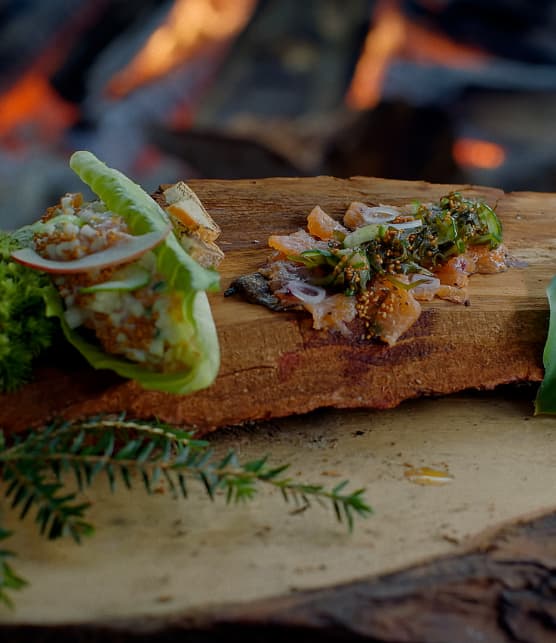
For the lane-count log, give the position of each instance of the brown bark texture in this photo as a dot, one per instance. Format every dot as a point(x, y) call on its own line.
point(275, 364)
point(503, 590)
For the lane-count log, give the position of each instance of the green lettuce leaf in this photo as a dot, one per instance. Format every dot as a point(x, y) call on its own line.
point(203, 349)
point(143, 214)
point(200, 353)
point(546, 395)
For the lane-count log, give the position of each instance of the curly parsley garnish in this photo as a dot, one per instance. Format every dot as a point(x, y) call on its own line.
point(25, 330)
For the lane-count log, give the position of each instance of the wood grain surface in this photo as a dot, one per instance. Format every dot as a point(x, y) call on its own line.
point(502, 591)
point(428, 566)
point(469, 560)
point(275, 364)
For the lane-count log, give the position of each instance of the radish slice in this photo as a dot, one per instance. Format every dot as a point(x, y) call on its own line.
point(380, 214)
point(134, 278)
point(123, 252)
point(407, 225)
point(307, 293)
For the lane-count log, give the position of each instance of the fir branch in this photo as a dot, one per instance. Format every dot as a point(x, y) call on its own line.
point(34, 468)
point(9, 580)
point(57, 513)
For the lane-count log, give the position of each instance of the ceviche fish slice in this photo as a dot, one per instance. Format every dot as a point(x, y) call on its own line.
point(376, 265)
point(128, 295)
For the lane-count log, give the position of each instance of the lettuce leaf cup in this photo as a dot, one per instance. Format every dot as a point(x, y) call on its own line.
point(128, 295)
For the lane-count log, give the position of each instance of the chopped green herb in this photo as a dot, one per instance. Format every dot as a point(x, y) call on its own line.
point(448, 228)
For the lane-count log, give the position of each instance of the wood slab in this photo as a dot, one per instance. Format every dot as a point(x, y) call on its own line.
point(274, 364)
point(470, 560)
point(500, 591)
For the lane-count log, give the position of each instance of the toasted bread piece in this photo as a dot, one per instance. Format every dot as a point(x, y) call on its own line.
point(196, 229)
point(205, 253)
point(183, 204)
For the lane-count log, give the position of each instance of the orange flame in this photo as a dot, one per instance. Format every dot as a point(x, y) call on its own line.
point(384, 40)
point(31, 104)
point(393, 35)
point(33, 101)
point(480, 154)
point(191, 27)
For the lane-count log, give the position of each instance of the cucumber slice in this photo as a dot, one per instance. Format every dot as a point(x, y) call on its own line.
point(133, 278)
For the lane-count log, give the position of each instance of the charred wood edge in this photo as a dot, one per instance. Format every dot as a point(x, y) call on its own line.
point(501, 589)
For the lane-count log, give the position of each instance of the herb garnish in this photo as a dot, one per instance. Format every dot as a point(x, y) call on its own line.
point(25, 330)
point(447, 228)
point(36, 469)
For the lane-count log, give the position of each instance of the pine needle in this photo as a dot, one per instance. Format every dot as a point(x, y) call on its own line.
point(34, 468)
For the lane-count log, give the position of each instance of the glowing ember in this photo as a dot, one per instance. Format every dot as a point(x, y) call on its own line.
point(192, 27)
point(31, 107)
point(485, 155)
point(392, 35)
point(33, 101)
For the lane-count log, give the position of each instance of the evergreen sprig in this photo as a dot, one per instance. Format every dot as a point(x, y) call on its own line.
point(35, 468)
point(9, 580)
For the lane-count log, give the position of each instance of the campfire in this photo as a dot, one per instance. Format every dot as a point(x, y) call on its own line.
point(192, 27)
point(247, 88)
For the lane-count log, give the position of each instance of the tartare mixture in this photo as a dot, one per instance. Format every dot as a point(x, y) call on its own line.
point(378, 264)
point(127, 305)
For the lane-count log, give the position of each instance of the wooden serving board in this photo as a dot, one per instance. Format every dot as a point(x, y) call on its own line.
point(469, 560)
point(275, 364)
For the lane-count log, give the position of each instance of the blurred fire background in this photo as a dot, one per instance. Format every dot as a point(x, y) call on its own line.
point(440, 90)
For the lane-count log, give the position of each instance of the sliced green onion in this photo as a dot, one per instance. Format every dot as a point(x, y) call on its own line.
point(314, 257)
point(488, 218)
point(363, 235)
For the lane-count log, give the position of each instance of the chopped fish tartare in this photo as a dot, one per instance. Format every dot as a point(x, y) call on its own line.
point(378, 264)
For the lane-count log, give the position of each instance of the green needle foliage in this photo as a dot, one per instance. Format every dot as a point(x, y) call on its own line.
point(9, 580)
point(35, 469)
